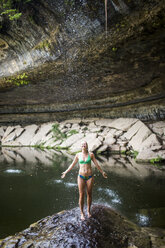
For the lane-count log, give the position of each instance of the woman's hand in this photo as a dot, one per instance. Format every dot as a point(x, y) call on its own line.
point(63, 174)
point(104, 175)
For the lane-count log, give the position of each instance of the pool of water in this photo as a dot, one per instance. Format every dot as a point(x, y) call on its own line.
point(31, 188)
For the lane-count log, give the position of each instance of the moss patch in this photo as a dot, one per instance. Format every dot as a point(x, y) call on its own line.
point(18, 80)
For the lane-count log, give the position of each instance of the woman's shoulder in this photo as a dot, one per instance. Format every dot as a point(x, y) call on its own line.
point(78, 154)
point(91, 154)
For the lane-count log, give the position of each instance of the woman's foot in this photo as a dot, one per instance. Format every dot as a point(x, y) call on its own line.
point(89, 215)
point(82, 216)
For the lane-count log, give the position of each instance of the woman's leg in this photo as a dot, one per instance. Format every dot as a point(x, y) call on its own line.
point(81, 187)
point(89, 183)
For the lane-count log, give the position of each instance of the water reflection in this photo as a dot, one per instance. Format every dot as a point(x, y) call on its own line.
point(30, 157)
point(31, 188)
point(64, 183)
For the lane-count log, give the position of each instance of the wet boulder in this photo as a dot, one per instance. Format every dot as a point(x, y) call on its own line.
point(105, 228)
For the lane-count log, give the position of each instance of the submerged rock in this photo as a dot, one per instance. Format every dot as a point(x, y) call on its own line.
point(105, 228)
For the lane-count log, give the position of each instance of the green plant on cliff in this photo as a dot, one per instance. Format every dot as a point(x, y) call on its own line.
point(135, 153)
point(12, 14)
point(18, 80)
point(11, 8)
point(71, 132)
point(156, 160)
point(131, 153)
point(57, 132)
point(123, 152)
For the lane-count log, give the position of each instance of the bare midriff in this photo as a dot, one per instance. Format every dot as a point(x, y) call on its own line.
point(85, 170)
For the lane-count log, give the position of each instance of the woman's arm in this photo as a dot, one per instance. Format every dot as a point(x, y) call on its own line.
point(98, 166)
point(70, 167)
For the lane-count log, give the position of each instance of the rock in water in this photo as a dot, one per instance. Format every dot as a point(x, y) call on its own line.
point(105, 228)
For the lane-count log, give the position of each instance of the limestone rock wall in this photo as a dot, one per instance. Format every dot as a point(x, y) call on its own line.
point(122, 135)
point(45, 31)
point(74, 70)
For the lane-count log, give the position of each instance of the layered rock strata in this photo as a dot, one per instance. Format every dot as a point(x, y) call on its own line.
point(74, 70)
point(130, 136)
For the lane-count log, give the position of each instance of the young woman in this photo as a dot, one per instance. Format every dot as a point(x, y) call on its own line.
point(85, 177)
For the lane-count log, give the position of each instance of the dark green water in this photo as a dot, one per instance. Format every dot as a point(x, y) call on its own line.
point(31, 188)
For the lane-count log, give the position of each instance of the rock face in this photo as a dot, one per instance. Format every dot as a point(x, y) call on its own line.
point(106, 228)
point(120, 136)
point(73, 70)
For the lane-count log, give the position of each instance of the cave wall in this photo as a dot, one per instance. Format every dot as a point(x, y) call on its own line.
point(73, 69)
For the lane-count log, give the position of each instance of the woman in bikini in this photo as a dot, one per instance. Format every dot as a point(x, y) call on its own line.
point(85, 177)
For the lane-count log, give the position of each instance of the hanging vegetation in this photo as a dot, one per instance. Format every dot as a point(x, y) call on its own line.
point(12, 8)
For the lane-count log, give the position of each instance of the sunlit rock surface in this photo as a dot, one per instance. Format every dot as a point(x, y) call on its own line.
point(74, 70)
point(122, 135)
point(106, 228)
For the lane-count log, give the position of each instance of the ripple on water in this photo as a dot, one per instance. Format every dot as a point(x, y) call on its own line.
point(59, 181)
point(52, 181)
point(70, 184)
point(13, 171)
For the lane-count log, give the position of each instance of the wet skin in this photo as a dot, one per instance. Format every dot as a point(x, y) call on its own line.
point(85, 185)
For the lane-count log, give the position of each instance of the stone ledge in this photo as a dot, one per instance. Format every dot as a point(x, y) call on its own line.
point(121, 135)
point(106, 228)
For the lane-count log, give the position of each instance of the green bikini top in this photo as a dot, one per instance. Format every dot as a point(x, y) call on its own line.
point(81, 161)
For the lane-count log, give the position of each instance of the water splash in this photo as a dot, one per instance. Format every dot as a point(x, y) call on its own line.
point(143, 220)
point(103, 203)
point(115, 198)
